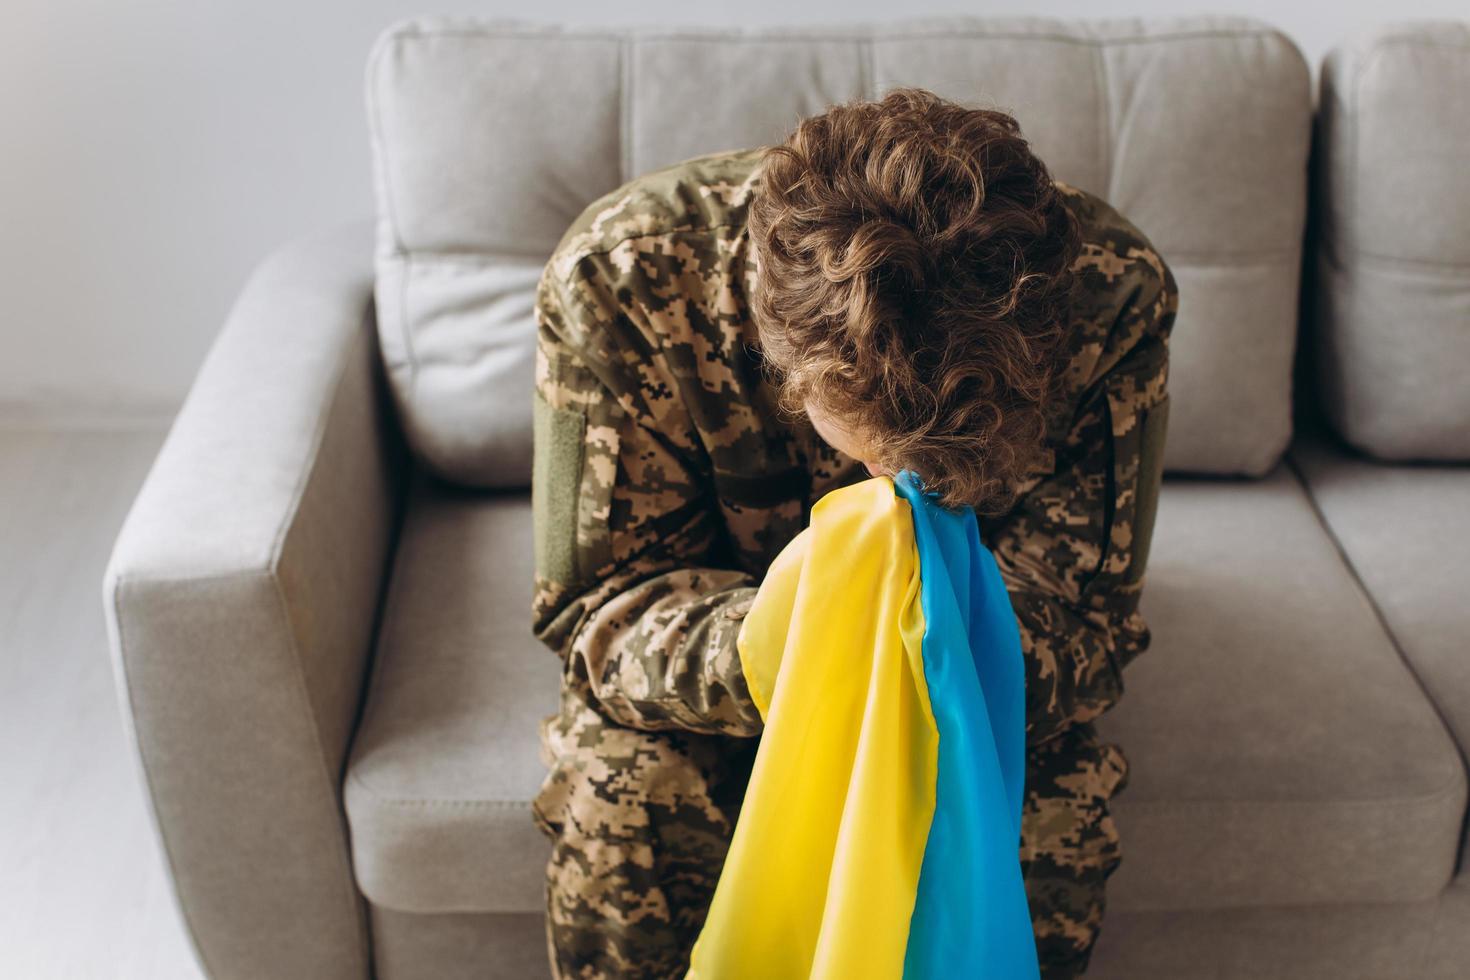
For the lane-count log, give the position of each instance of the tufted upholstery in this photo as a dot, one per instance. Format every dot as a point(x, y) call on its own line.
point(1196, 128)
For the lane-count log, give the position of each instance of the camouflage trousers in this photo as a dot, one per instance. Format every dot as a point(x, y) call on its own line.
point(640, 822)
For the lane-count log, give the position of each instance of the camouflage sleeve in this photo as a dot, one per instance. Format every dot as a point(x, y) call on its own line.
point(1074, 549)
point(626, 524)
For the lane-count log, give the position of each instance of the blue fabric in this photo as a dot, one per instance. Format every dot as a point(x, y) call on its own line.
point(971, 912)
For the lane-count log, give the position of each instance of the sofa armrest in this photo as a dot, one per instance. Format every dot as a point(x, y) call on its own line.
point(241, 600)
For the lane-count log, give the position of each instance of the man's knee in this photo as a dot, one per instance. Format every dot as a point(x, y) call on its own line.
point(640, 824)
point(619, 782)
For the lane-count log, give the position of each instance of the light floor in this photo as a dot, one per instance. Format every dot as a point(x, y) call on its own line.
point(82, 890)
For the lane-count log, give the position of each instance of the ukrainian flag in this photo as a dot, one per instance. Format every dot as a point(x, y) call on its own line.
point(880, 832)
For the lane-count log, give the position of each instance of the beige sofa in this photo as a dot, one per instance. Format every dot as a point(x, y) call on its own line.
point(319, 603)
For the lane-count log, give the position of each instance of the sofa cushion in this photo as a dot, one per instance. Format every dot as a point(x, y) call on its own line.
point(446, 758)
point(1280, 750)
point(1391, 299)
point(1345, 941)
point(1406, 532)
point(491, 136)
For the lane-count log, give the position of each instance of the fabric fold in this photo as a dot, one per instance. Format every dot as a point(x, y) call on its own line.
point(971, 916)
point(879, 835)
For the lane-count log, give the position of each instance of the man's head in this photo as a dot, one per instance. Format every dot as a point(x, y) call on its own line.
point(912, 287)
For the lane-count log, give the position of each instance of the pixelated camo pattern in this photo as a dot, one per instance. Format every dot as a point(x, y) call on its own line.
point(666, 482)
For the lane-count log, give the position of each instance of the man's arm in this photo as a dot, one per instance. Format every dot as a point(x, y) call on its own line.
point(1074, 549)
point(626, 522)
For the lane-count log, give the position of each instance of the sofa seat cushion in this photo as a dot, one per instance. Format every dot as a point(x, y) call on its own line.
point(1281, 751)
point(1405, 529)
point(446, 758)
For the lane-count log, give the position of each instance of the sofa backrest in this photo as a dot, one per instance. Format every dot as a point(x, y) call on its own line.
point(1390, 297)
point(490, 136)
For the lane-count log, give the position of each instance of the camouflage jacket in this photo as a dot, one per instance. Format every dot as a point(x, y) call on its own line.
point(665, 482)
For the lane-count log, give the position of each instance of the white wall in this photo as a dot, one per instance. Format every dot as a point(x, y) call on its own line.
point(154, 150)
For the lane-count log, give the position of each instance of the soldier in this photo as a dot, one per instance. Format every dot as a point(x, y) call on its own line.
point(905, 278)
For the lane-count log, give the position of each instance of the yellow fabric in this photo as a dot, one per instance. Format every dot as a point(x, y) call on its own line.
point(823, 868)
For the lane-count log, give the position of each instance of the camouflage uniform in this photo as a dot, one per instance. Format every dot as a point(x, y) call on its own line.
point(665, 483)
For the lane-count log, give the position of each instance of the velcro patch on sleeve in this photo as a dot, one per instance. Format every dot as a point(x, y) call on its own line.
point(556, 479)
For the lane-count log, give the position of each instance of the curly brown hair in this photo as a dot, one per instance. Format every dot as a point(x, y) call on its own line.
point(913, 262)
